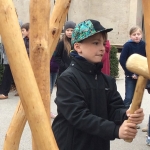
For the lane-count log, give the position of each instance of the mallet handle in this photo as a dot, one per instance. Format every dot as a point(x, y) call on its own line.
point(137, 97)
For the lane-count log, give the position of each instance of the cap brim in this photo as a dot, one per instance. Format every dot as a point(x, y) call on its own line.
point(106, 30)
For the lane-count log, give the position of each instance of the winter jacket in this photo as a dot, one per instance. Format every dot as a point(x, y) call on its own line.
point(130, 48)
point(106, 59)
point(62, 58)
point(26, 42)
point(53, 64)
point(90, 110)
point(4, 59)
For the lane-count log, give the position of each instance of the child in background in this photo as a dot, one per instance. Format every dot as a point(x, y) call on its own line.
point(134, 45)
point(53, 76)
point(106, 59)
point(64, 46)
point(25, 33)
point(90, 109)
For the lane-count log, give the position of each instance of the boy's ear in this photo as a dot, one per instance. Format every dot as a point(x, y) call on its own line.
point(77, 47)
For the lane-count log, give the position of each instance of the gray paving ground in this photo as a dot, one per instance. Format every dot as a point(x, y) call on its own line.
point(7, 108)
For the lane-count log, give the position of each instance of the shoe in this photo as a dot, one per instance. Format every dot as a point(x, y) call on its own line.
point(17, 94)
point(53, 116)
point(138, 126)
point(2, 96)
point(148, 142)
point(145, 129)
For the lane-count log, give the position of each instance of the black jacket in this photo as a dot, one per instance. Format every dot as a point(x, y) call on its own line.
point(61, 57)
point(90, 110)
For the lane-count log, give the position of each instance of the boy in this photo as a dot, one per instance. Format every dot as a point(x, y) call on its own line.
point(90, 110)
point(25, 33)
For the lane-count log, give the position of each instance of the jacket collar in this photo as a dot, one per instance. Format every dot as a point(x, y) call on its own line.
point(86, 67)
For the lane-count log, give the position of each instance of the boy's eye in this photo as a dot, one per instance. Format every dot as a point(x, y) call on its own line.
point(104, 44)
point(96, 43)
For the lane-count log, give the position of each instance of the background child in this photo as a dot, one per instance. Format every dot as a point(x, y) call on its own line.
point(134, 45)
point(90, 110)
point(64, 46)
point(25, 33)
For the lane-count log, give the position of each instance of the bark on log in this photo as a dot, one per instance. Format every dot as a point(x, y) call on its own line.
point(24, 77)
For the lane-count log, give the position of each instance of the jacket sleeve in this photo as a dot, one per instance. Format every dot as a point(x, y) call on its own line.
point(59, 52)
point(123, 58)
point(71, 104)
point(117, 110)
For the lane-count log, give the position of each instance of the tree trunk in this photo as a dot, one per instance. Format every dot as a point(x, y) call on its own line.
point(146, 10)
point(24, 77)
point(13, 135)
point(19, 119)
point(39, 52)
point(57, 20)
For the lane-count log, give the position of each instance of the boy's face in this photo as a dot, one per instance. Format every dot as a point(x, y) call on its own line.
point(136, 36)
point(24, 32)
point(92, 48)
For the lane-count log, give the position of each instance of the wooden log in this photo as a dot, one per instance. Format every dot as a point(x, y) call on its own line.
point(39, 52)
point(141, 83)
point(138, 64)
point(146, 10)
point(57, 20)
point(13, 135)
point(137, 97)
point(24, 77)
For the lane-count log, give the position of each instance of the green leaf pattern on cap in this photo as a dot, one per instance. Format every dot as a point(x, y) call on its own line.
point(82, 31)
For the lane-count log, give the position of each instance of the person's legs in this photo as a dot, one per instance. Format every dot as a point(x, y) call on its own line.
point(53, 77)
point(6, 81)
point(148, 138)
point(129, 90)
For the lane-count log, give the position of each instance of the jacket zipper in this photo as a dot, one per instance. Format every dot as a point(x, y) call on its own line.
point(96, 77)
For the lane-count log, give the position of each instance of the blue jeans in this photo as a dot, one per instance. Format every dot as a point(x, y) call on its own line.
point(130, 85)
point(53, 77)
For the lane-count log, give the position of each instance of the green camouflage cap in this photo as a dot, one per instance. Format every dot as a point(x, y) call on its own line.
point(86, 29)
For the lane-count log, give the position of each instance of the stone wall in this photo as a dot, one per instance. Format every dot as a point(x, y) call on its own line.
point(120, 15)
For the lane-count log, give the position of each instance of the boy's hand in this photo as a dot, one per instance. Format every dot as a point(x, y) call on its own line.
point(137, 117)
point(127, 130)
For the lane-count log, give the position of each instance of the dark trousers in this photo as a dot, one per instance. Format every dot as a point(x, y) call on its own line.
point(6, 81)
point(130, 85)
